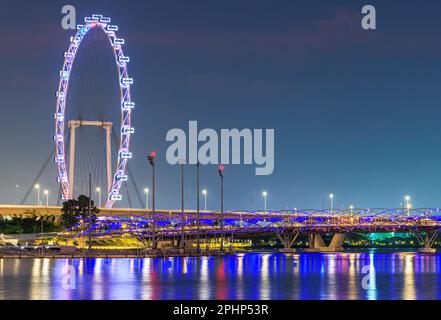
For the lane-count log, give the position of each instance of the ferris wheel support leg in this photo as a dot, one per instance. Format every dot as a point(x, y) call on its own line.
point(72, 160)
point(109, 158)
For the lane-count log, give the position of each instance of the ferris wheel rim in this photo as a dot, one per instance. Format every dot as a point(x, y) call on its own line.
point(127, 105)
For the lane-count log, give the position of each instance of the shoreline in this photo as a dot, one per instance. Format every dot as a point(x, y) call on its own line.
point(116, 255)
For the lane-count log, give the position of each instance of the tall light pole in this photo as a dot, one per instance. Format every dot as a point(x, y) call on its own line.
point(146, 191)
point(331, 198)
point(37, 187)
point(221, 174)
point(204, 192)
point(198, 192)
point(17, 187)
point(182, 164)
point(151, 160)
point(89, 215)
point(46, 193)
point(98, 190)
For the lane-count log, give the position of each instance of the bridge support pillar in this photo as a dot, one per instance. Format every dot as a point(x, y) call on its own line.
point(287, 239)
point(427, 242)
point(316, 243)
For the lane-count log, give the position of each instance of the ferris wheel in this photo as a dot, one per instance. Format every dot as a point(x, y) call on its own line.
point(66, 163)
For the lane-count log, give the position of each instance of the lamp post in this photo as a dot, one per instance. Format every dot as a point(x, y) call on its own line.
point(151, 160)
point(146, 191)
point(182, 163)
point(331, 198)
point(408, 205)
point(198, 192)
point(89, 216)
point(264, 194)
point(37, 187)
point(221, 174)
point(204, 192)
point(16, 190)
point(46, 193)
point(98, 190)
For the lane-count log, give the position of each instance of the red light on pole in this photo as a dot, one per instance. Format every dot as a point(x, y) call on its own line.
point(151, 157)
point(221, 170)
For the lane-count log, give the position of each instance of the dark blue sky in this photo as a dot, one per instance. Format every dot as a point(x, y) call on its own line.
point(356, 112)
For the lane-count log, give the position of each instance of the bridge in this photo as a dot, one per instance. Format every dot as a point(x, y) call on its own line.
point(287, 225)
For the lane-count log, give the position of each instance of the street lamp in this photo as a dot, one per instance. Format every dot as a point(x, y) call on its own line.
point(37, 187)
point(98, 190)
point(264, 194)
point(16, 190)
point(407, 198)
point(146, 191)
point(46, 192)
point(204, 192)
point(221, 175)
point(408, 206)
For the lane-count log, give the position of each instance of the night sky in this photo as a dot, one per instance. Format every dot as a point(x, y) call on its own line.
point(355, 112)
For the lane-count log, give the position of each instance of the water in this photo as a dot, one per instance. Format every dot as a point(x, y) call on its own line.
point(345, 276)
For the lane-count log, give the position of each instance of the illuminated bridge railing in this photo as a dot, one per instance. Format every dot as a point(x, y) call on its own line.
point(257, 222)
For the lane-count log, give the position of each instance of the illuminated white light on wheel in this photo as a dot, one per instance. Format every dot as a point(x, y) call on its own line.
point(123, 60)
point(64, 75)
point(112, 28)
point(126, 82)
point(116, 197)
point(128, 130)
point(122, 177)
point(128, 106)
point(59, 159)
point(59, 138)
point(126, 155)
point(119, 41)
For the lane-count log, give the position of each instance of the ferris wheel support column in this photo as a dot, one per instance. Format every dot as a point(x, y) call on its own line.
point(73, 125)
point(108, 127)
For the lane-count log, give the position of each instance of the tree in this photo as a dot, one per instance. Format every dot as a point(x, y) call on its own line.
point(75, 211)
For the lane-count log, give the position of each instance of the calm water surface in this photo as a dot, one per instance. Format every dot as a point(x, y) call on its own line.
point(244, 276)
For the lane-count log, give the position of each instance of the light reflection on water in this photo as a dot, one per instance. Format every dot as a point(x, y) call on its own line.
point(253, 276)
